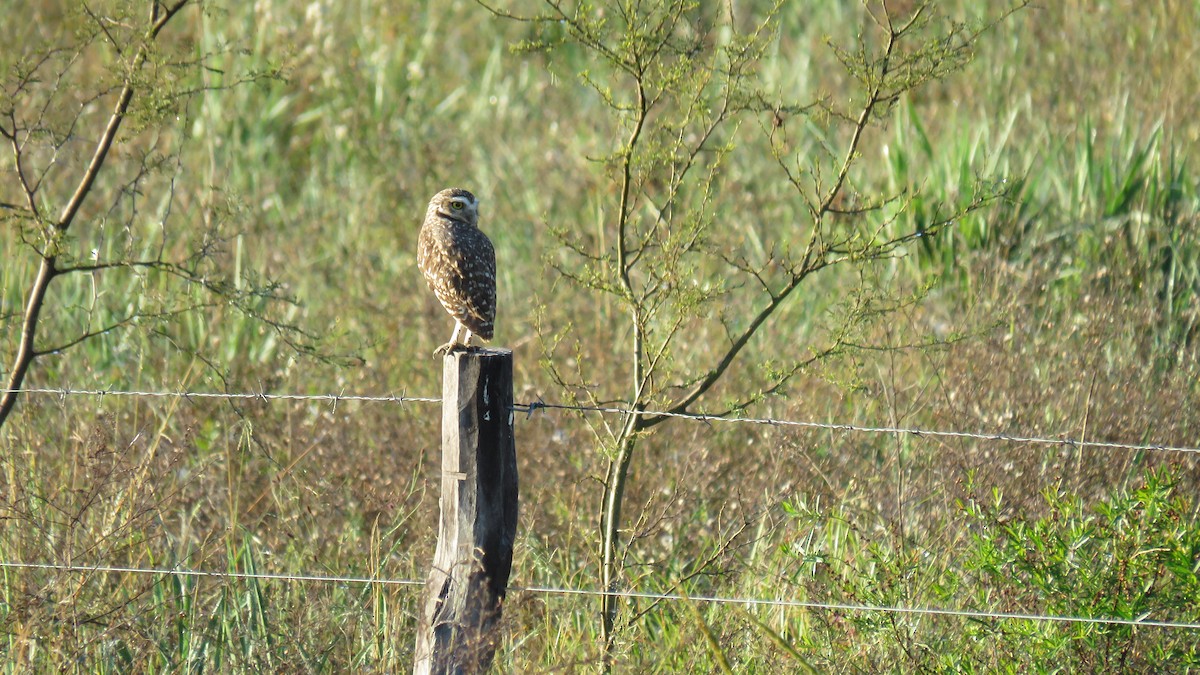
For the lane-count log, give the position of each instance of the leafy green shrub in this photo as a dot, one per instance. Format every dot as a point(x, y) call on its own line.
point(1134, 556)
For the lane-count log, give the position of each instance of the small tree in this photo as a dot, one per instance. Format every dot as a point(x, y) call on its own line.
point(86, 206)
point(682, 81)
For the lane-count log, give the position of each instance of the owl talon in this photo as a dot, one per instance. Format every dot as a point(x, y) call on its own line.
point(446, 349)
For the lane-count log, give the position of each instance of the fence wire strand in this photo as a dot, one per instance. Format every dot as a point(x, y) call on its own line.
point(261, 396)
point(530, 408)
point(641, 595)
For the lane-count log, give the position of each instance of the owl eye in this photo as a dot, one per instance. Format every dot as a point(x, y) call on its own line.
point(457, 205)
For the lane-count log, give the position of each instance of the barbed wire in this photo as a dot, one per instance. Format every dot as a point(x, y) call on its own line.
point(835, 426)
point(641, 595)
point(261, 396)
point(184, 572)
point(530, 408)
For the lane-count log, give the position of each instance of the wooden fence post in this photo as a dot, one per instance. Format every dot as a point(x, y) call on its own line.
point(457, 629)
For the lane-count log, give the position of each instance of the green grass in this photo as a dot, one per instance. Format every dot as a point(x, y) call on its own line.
point(1070, 307)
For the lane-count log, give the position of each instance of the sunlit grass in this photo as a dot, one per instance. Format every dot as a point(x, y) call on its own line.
point(1079, 294)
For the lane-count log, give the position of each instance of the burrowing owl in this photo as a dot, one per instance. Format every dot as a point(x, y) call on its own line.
point(459, 265)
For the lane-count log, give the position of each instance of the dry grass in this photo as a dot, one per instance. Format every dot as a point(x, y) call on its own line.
point(1049, 329)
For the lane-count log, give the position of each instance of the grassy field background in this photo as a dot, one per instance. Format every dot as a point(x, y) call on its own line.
point(1069, 309)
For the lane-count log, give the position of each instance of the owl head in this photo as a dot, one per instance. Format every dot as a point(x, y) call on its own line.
point(455, 204)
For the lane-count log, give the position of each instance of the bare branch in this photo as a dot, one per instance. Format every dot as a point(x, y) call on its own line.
point(731, 354)
point(505, 14)
point(19, 168)
point(100, 24)
point(125, 264)
point(85, 337)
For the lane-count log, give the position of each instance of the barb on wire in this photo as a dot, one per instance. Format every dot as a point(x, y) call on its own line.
point(549, 590)
point(530, 408)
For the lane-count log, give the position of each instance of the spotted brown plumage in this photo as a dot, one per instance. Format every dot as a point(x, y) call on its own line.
point(459, 264)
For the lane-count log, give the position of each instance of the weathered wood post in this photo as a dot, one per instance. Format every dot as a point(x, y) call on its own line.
point(457, 629)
